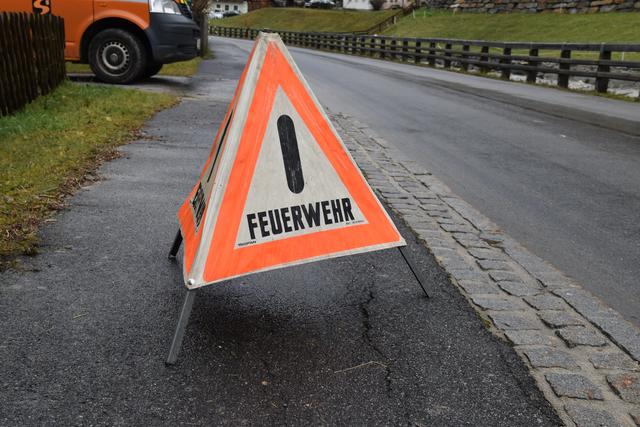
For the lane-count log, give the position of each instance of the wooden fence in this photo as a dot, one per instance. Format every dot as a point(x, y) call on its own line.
point(31, 58)
point(602, 62)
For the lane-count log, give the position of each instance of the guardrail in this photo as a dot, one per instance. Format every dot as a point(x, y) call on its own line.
point(566, 60)
point(31, 58)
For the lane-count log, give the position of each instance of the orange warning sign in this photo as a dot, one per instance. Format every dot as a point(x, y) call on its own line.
point(279, 187)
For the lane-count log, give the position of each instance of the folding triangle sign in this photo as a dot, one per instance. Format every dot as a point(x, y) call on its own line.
point(279, 187)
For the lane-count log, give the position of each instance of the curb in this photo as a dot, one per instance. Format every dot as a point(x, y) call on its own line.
point(583, 355)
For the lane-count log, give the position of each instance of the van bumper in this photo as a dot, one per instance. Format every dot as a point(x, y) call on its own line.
point(173, 38)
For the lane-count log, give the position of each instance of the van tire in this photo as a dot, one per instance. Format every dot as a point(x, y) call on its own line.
point(117, 56)
point(152, 69)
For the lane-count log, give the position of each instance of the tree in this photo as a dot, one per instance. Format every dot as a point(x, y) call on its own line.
point(377, 4)
point(200, 10)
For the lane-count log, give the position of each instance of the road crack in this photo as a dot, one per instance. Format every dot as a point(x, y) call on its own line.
point(367, 338)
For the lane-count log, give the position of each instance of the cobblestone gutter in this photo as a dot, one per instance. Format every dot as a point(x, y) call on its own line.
point(583, 355)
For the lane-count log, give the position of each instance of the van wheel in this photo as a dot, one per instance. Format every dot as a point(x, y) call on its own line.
point(117, 56)
point(152, 69)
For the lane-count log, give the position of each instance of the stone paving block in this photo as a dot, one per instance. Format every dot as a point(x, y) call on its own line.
point(415, 168)
point(432, 234)
point(459, 228)
point(474, 243)
point(573, 385)
point(404, 205)
point(552, 279)
point(497, 303)
point(559, 319)
point(468, 238)
point(406, 210)
point(437, 213)
point(505, 276)
point(530, 338)
point(442, 217)
point(470, 214)
point(394, 197)
point(489, 254)
point(620, 331)
point(545, 302)
point(549, 357)
point(519, 289)
point(454, 259)
point(419, 224)
point(583, 302)
point(626, 385)
point(445, 220)
point(615, 360)
point(574, 336)
point(437, 242)
point(467, 275)
point(505, 321)
point(491, 237)
point(587, 416)
point(478, 287)
point(437, 251)
point(425, 195)
point(487, 264)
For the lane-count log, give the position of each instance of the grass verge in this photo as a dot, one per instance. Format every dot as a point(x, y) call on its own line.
point(47, 149)
point(178, 69)
point(618, 27)
point(311, 20)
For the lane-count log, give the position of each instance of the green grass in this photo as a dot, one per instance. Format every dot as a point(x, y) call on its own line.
point(542, 27)
point(46, 150)
point(179, 69)
point(311, 20)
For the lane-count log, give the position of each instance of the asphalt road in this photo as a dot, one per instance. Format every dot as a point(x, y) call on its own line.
point(524, 156)
point(85, 326)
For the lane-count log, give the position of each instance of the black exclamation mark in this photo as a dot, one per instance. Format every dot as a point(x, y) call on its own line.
point(290, 154)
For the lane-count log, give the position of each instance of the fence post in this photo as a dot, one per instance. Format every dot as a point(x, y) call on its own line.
point(532, 74)
point(372, 46)
point(505, 72)
point(393, 48)
point(602, 83)
point(432, 53)
point(563, 79)
point(465, 57)
point(416, 58)
point(484, 52)
point(447, 55)
point(405, 50)
point(383, 52)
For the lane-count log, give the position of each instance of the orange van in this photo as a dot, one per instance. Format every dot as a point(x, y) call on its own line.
point(122, 40)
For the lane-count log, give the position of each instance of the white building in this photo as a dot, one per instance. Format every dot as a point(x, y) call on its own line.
point(356, 4)
point(228, 5)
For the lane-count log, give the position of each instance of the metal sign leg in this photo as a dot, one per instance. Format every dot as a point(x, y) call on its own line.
point(182, 325)
point(176, 245)
point(413, 269)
